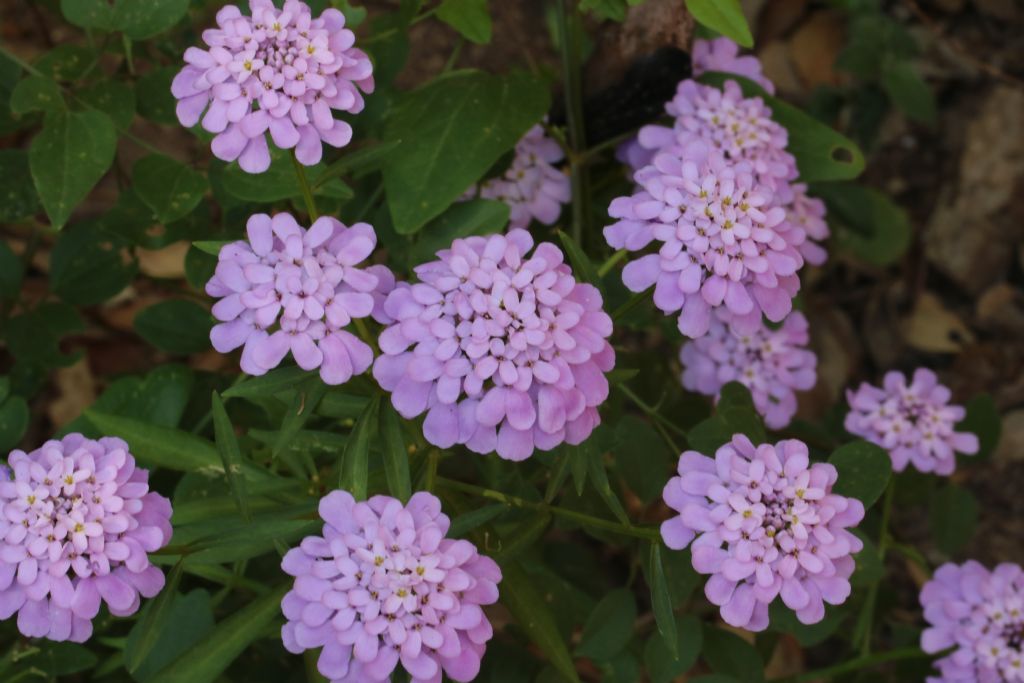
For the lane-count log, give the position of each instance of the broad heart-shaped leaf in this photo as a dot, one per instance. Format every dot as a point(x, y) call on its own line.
point(462, 219)
point(18, 199)
point(532, 614)
point(864, 471)
point(953, 515)
point(89, 13)
point(88, 265)
point(396, 457)
point(13, 421)
point(153, 91)
point(728, 654)
point(169, 187)
point(277, 182)
point(662, 665)
point(176, 326)
point(866, 222)
point(36, 93)
point(908, 91)
point(724, 16)
point(113, 98)
point(205, 662)
point(609, 627)
point(468, 17)
point(141, 20)
point(35, 336)
point(452, 131)
point(821, 152)
point(354, 471)
point(68, 157)
point(784, 620)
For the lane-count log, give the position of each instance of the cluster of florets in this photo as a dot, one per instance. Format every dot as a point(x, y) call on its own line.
point(772, 363)
point(295, 69)
point(292, 289)
point(715, 226)
point(77, 522)
point(533, 186)
point(914, 422)
point(723, 55)
point(980, 613)
point(383, 585)
point(763, 522)
point(501, 348)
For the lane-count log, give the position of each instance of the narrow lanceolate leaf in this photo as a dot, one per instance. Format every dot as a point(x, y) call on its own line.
point(609, 627)
point(68, 157)
point(355, 461)
point(533, 615)
point(724, 16)
point(599, 475)
point(821, 152)
point(582, 267)
point(661, 601)
point(275, 381)
point(864, 471)
point(208, 660)
point(151, 625)
point(230, 454)
point(303, 405)
point(396, 458)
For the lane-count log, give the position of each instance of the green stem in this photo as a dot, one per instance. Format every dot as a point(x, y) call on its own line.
point(307, 192)
point(364, 333)
point(654, 414)
point(610, 263)
point(569, 42)
point(883, 543)
point(646, 533)
point(870, 661)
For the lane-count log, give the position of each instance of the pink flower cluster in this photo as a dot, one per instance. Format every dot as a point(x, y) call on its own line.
point(383, 585)
point(292, 289)
point(980, 613)
point(914, 422)
point(722, 54)
point(772, 363)
point(763, 522)
point(77, 522)
point(502, 348)
point(533, 187)
point(294, 68)
point(714, 224)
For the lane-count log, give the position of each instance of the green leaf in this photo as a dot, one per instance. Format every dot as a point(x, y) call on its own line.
point(821, 152)
point(274, 382)
point(605, 9)
point(953, 516)
point(64, 659)
point(236, 542)
point(176, 326)
point(13, 422)
point(864, 471)
point(230, 454)
point(715, 678)
point(728, 654)
point(18, 200)
point(279, 181)
point(908, 91)
point(89, 13)
point(599, 475)
point(641, 457)
point(37, 93)
point(354, 471)
point(68, 157)
point(173, 449)
point(452, 131)
point(185, 622)
point(159, 398)
point(35, 336)
point(396, 457)
point(302, 407)
point(66, 62)
point(205, 662)
point(868, 223)
point(359, 162)
point(724, 16)
point(982, 419)
point(609, 627)
point(211, 247)
point(662, 665)
point(529, 609)
point(152, 622)
point(89, 266)
point(784, 620)
point(462, 219)
point(199, 268)
point(582, 267)
point(469, 17)
point(708, 435)
point(661, 601)
point(113, 98)
point(153, 92)
point(474, 519)
point(170, 188)
point(141, 20)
